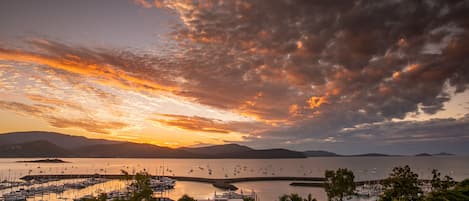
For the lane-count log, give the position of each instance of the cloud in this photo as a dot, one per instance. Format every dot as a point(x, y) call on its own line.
point(449, 129)
point(37, 110)
point(102, 66)
point(49, 114)
point(91, 125)
point(304, 70)
point(54, 101)
point(202, 124)
point(142, 3)
point(367, 60)
point(194, 123)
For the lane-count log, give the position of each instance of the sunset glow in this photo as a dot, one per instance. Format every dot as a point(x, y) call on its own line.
point(277, 74)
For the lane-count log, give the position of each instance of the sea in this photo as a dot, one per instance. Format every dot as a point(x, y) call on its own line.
point(364, 168)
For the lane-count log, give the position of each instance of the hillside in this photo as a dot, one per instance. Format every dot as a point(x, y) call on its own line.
point(218, 149)
point(38, 148)
point(130, 150)
point(319, 153)
point(49, 144)
point(64, 140)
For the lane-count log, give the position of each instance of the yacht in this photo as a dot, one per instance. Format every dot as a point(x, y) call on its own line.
point(232, 196)
point(162, 183)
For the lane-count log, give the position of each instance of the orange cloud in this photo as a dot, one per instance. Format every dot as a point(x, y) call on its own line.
point(90, 125)
point(37, 110)
point(315, 101)
point(46, 112)
point(411, 68)
point(194, 123)
point(143, 3)
point(54, 101)
point(293, 109)
point(104, 73)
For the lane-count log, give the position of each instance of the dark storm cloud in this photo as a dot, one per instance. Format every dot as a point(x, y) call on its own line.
point(368, 61)
point(308, 69)
point(408, 131)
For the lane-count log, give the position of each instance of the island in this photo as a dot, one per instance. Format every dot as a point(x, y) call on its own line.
point(55, 160)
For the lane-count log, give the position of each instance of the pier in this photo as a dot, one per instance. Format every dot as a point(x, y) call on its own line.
point(222, 183)
point(226, 183)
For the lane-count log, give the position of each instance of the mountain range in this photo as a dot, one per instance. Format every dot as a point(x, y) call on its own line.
point(51, 144)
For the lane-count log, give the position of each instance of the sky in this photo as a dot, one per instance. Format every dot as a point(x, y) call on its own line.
point(345, 76)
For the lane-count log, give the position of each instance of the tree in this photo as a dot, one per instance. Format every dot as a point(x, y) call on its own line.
point(186, 198)
point(310, 198)
point(248, 199)
point(439, 184)
point(295, 197)
point(339, 184)
point(291, 197)
point(460, 192)
point(402, 184)
point(142, 190)
point(101, 197)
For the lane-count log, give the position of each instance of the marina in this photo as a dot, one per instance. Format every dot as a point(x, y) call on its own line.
point(160, 184)
point(225, 184)
point(268, 178)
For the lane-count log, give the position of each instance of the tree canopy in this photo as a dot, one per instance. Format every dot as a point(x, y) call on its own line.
point(402, 184)
point(185, 197)
point(339, 184)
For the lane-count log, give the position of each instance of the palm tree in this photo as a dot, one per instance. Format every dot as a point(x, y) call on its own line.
point(310, 198)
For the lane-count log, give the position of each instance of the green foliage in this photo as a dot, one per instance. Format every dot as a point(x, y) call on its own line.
point(339, 184)
point(101, 197)
point(248, 199)
point(402, 184)
point(126, 175)
point(141, 186)
point(439, 184)
point(460, 192)
point(309, 198)
point(295, 197)
point(186, 198)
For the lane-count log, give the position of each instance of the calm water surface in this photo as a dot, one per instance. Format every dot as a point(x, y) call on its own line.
point(365, 168)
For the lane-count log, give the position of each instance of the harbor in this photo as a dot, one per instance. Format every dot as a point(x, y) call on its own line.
point(225, 183)
point(33, 186)
point(269, 179)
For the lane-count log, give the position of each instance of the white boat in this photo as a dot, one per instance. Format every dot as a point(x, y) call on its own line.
point(16, 196)
point(232, 196)
point(162, 183)
point(369, 190)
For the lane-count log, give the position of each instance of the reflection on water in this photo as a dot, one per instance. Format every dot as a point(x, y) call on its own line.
point(365, 168)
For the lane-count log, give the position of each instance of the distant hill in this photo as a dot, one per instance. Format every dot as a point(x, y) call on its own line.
point(218, 149)
point(438, 154)
point(268, 153)
point(49, 144)
point(423, 154)
point(318, 153)
point(38, 148)
point(443, 154)
point(64, 140)
point(131, 150)
point(370, 154)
